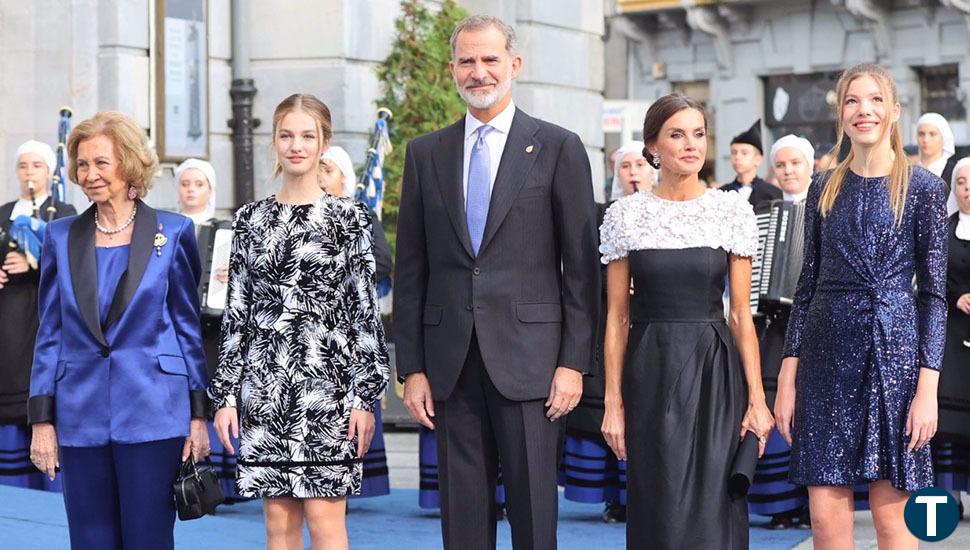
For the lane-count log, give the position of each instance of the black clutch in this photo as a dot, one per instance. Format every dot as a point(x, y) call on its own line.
point(742, 469)
point(197, 491)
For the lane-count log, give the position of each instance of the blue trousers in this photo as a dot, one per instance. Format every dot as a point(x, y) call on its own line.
point(120, 496)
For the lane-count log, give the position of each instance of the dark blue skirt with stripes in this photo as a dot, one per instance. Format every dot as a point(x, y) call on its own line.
point(16, 469)
point(590, 472)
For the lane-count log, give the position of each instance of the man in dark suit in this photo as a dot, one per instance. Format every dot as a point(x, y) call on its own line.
point(747, 152)
point(495, 297)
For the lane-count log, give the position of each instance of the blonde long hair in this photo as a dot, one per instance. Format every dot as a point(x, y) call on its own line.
point(900, 171)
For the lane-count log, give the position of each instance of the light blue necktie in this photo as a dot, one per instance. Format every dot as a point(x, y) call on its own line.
point(477, 196)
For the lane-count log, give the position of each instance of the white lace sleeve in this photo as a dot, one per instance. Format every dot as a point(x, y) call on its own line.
point(614, 240)
point(742, 226)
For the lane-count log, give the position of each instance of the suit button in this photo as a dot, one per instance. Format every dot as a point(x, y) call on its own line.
point(105, 352)
point(476, 271)
point(469, 307)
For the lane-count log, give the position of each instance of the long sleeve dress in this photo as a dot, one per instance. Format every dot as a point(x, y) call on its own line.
point(684, 392)
point(862, 333)
point(302, 344)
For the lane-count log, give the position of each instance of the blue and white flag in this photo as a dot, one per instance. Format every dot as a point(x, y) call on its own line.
point(371, 186)
point(59, 177)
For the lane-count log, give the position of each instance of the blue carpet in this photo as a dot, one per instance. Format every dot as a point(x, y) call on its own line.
point(34, 520)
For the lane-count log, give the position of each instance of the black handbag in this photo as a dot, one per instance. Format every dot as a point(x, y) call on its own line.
point(197, 491)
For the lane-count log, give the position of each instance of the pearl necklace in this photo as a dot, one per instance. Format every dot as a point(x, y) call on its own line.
point(120, 228)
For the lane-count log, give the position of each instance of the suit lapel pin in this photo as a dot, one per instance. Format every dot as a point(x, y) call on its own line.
point(529, 149)
point(160, 240)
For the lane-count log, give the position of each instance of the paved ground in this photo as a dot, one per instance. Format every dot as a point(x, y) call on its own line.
point(402, 459)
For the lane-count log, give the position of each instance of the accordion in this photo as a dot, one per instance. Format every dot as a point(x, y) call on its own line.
point(781, 248)
point(215, 242)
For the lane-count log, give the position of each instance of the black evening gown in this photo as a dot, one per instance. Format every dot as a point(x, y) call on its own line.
point(685, 396)
point(684, 390)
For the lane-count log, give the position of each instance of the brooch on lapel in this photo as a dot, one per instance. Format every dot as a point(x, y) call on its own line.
point(528, 149)
point(160, 241)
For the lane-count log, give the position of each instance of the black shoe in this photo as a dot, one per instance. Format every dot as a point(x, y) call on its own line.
point(614, 512)
point(960, 502)
point(804, 519)
point(499, 512)
point(780, 521)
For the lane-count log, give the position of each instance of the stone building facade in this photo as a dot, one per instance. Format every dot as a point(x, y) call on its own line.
point(100, 54)
point(778, 60)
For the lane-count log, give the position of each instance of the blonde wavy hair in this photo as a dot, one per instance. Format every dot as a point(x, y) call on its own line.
point(899, 173)
point(137, 161)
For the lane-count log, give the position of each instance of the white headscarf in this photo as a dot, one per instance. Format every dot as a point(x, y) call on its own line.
point(951, 201)
point(800, 143)
point(340, 157)
point(949, 144)
point(617, 191)
point(39, 148)
point(210, 175)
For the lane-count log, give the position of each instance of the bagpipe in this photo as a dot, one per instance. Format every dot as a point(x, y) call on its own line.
point(26, 233)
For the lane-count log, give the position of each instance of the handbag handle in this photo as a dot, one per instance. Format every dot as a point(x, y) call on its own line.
point(188, 468)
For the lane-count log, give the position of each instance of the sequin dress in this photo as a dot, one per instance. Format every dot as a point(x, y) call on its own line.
point(863, 334)
point(684, 391)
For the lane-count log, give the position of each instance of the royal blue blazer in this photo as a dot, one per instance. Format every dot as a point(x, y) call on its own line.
point(141, 375)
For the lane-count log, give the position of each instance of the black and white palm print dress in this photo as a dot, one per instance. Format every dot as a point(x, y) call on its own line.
point(302, 344)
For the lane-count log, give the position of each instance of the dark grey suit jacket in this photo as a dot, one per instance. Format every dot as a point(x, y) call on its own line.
point(531, 295)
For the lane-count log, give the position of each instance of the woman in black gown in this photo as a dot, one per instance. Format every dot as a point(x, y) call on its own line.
point(676, 407)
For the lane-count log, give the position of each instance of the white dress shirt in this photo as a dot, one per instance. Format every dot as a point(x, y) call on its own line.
point(495, 139)
point(797, 197)
point(745, 191)
point(23, 207)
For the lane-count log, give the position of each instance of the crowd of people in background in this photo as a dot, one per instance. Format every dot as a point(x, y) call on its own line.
point(542, 339)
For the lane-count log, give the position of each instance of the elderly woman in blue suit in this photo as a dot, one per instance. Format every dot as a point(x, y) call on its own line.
point(117, 390)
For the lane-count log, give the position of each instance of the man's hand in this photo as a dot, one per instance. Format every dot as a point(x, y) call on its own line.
point(564, 395)
point(15, 263)
point(417, 399)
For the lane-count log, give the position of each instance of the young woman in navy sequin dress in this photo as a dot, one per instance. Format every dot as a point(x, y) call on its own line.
point(857, 388)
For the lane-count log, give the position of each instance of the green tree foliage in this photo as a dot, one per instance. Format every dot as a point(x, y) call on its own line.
point(418, 89)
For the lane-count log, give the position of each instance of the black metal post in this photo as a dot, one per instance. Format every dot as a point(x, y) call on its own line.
point(242, 123)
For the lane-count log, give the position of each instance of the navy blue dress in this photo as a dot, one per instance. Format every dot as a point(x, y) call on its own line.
point(863, 334)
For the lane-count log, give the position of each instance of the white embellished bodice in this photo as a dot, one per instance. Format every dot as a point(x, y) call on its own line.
point(643, 221)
